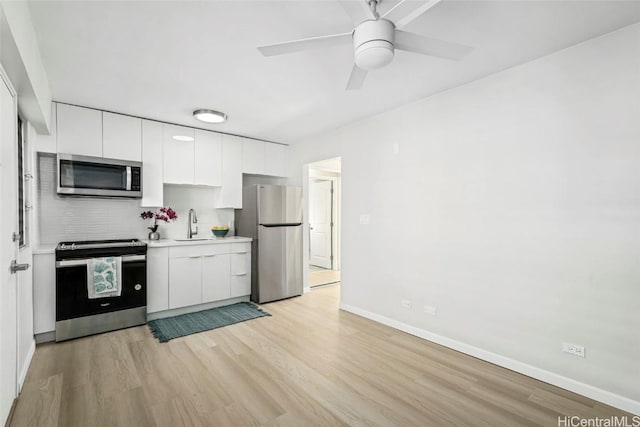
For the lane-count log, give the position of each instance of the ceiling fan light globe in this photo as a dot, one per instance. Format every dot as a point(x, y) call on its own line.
point(374, 54)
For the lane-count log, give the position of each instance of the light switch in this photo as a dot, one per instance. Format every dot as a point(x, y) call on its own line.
point(365, 219)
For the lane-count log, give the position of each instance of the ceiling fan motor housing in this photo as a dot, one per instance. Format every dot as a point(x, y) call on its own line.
point(373, 43)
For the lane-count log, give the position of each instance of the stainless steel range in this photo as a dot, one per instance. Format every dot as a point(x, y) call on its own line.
point(81, 308)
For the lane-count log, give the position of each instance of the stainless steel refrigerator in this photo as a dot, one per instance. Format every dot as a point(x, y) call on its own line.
point(272, 216)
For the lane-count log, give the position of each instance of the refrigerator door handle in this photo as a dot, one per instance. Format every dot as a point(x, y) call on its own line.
point(287, 224)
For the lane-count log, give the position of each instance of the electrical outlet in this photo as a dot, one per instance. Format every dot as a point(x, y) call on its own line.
point(406, 303)
point(575, 349)
point(430, 310)
point(365, 219)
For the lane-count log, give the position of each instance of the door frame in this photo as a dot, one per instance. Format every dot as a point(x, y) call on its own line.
point(305, 221)
point(14, 94)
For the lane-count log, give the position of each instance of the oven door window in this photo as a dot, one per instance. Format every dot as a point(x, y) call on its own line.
point(72, 298)
point(75, 174)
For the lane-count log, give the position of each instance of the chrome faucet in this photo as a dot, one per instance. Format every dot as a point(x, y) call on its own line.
point(193, 219)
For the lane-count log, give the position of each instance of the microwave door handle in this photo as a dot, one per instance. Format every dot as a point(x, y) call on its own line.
point(128, 178)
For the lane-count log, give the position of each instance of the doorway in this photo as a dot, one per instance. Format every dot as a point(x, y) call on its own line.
point(324, 222)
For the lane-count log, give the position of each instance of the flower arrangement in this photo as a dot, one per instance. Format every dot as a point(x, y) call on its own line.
point(164, 214)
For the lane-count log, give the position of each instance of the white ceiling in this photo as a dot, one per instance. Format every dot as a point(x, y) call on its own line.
point(163, 59)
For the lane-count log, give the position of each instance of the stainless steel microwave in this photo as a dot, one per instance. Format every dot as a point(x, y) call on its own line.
point(98, 177)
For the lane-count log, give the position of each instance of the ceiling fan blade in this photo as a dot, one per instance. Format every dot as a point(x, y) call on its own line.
point(358, 10)
point(403, 21)
point(356, 78)
point(412, 42)
point(305, 44)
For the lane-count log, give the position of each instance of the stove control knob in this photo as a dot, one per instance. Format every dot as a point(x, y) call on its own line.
point(137, 287)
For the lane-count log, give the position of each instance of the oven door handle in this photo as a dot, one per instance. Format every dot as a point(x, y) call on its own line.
point(85, 261)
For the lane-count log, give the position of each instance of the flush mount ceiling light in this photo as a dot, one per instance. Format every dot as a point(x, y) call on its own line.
point(183, 138)
point(210, 116)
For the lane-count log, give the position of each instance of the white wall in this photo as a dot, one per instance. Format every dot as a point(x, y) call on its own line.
point(513, 207)
point(20, 56)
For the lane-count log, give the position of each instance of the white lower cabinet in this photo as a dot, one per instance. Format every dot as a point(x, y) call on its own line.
point(240, 269)
point(157, 279)
point(215, 277)
point(44, 293)
point(203, 273)
point(185, 281)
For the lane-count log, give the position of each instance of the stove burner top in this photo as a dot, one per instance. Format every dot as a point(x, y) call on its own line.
point(98, 244)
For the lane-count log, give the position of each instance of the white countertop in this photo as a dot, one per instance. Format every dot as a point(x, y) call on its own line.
point(163, 243)
point(44, 249)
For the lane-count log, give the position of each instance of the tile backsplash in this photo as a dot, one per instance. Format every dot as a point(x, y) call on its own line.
point(70, 218)
point(181, 199)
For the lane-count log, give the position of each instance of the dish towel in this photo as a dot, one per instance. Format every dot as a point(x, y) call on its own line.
point(104, 277)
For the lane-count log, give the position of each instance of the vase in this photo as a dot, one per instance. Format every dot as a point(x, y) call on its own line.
point(154, 235)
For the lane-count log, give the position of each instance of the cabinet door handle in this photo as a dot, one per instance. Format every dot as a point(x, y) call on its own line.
point(245, 252)
point(209, 256)
point(193, 257)
point(240, 274)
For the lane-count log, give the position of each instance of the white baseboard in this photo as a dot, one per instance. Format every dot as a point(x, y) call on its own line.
point(25, 367)
point(587, 390)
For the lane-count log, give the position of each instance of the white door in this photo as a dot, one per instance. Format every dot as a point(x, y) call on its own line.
point(8, 251)
point(320, 223)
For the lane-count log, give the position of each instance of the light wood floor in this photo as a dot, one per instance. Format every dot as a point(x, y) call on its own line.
point(321, 276)
point(307, 365)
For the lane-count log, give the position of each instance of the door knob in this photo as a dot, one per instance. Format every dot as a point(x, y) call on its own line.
point(15, 267)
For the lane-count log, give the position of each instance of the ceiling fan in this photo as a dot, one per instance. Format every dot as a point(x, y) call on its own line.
point(375, 38)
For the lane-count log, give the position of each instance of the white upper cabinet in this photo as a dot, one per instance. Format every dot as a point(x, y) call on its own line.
point(178, 155)
point(152, 158)
point(252, 156)
point(79, 130)
point(264, 158)
point(275, 159)
point(208, 158)
point(197, 162)
point(121, 137)
point(89, 132)
point(230, 195)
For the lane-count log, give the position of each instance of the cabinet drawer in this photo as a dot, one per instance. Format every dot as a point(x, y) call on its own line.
point(240, 285)
point(241, 264)
point(198, 250)
point(237, 248)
